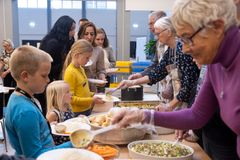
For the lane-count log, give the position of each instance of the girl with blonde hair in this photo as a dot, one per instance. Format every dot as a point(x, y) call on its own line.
point(82, 99)
point(58, 105)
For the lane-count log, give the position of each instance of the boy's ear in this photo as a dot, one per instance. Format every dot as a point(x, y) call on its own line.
point(24, 76)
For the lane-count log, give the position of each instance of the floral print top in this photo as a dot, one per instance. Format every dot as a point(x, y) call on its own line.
point(62, 116)
point(188, 70)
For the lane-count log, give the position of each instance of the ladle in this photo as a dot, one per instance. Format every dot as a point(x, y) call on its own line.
point(82, 138)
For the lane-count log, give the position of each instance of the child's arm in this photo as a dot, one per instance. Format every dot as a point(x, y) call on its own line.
point(52, 117)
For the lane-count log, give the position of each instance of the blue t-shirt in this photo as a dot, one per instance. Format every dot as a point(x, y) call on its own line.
point(27, 129)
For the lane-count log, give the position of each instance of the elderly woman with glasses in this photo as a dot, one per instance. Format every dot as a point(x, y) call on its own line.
point(180, 67)
point(210, 34)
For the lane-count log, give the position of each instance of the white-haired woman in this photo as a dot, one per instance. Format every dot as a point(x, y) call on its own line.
point(209, 32)
point(180, 67)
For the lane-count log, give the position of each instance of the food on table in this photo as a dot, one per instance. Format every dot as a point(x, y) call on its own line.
point(102, 120)
point(138, 105)
point(69, 126)
point(60, 128)
point(104, 150)
point(160, 149)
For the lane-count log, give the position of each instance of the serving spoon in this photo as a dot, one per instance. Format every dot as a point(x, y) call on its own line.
point(82, 138)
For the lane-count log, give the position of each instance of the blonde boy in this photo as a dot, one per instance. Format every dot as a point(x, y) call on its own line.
point(28, 131)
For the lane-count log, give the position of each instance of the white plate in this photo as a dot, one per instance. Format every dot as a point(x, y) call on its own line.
point(81, 119)
point(69, 154)
point(112, 70)
point(71, 127)
point(108, 99)
point(97, 81)
point(89, 63)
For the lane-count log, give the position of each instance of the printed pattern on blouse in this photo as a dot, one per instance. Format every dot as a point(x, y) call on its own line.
point(63, 117)
point(188, 70)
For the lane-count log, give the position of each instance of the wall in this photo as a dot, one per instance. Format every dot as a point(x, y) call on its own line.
point(6, 29)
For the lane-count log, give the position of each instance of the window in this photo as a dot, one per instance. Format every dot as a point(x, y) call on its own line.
point(111, 5)
point(22, 3)
point(56, 4)
point(76, 4)
point(101, 5)
point(32, 3)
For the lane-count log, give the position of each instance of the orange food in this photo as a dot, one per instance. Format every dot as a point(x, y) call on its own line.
point(105, 151)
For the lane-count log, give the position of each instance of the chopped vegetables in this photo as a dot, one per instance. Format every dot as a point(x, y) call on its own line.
point(106, 151)
point(161, 149)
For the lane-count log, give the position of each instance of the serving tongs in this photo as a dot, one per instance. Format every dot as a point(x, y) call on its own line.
point(110, 92)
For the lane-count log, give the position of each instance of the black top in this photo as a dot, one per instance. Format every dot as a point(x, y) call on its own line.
point(58, 51)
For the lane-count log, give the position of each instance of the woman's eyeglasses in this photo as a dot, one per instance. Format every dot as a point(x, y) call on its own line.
point(157, 34)
point(189, 40)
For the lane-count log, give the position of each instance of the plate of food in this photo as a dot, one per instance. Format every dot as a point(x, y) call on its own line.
point(116, 136)
point(159, 150)
point(67, 127)
point(97, 81)
point(108, 97)
point(89, 63)
point(69, 154)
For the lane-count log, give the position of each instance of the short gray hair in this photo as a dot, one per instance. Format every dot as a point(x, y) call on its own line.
point(165, 23)
point(157, 14)
point(198, 13)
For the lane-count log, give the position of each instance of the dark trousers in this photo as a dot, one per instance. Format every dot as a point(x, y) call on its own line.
point(219, 152)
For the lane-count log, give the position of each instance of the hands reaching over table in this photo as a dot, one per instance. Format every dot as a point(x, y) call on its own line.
point(126, 83)
point(127, 116)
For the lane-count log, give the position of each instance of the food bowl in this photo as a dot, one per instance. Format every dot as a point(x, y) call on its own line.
point(117, 136)
point(159, 150)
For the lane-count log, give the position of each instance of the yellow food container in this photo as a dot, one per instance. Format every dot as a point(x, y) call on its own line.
point(124, 66)
point(113, 85)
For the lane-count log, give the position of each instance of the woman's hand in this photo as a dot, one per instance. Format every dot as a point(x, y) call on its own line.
point(163, 107)
point(127, 116)
point(126, 83)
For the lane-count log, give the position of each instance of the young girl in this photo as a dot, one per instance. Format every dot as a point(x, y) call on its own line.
point(82, 100)
point(58, 105)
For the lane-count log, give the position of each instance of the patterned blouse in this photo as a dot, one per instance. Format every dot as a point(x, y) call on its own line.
point(188, 70)
point(62, 116)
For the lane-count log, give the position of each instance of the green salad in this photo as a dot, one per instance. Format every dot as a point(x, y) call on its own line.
point(160, 149)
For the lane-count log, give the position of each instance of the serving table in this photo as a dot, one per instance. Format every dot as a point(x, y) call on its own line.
point(199, 153)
